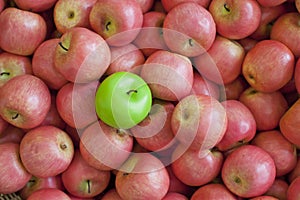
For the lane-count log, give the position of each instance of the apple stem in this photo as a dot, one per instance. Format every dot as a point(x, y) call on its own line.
point(62, 46)
point(226, 7)
point(15, 116)
point(5, 73)
point(89, 186)
point(63, 146)
point(191, 42)
point(130, 91)
point(107, 26)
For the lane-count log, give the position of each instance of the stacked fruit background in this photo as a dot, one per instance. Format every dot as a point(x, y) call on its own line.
point(150, 99)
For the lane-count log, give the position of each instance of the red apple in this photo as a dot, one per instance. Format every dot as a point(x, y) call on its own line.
point(118, 22)
point(199, 122)
point(35, 6)
point(43, 64)
point(214, 191)
point(125, 58)
point(267, 3)
point(289, 123)
point(49, 193)
point(13, 175)
point(72, 13)
point(75, 104)
point(27, 106)
point(224, 58)
point(150, 38)
point(201, 85)
point(264, 197)
point(288, 25)
point(168, 74)
point(267, 108)
point(241, 127)
point(21, 31)
point(154, 133)
point(297, 3)
point(233, 90)
point(295, 172)
point(194, 169)
point(81, 55)
point(248, 171)
point(268, 16)
point(247, 43)
point(283, 152)
point(36, 183)
point(278, 189)
point(268, 66)
point(297, 75)
point(142, 176)
point(189, 29)
point(293, 189)
point(2, 5)
point(104, 147)
point(82, 180)
point(146, 5)
point(46, 151)
point(174, 196)
point(111, 194)
point(11, 134)
point(12, 65)
point(235, 19)
point(168, 5)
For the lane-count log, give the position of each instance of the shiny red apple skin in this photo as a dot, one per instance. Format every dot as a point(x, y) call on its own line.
point(118, 22)
point(49, 193)
point(75, 13)
point(169, 75)
point(28, 105)
point(35, 184)
point(223, 62)
point(274, 107)
point(295, 172)
point(283, 152)
point(241, 127)
point(268, 16)
point(12, 134)
point(83, 55)
point(150, 37)
point(194, 169)
point(214, 191)
point(82, 180)
point(125, 58)
point(12, 65)
point(46, 151)
point(233, 90)
point(111, 194)
point(189, 34)
point(293, 189)
point(168, 5)
point(278, 189)
point(154, 133)
point(289, 123)
point(235, 19)
point(35, 6)
point(104, 147)
point(2, 5)
point(199, 122)
point(13, 174)
point(146, 5)
point(43, 64)
point(142, 176)
point(268, 66)
point(201, 85)
point(287, 24)
point(29, 35)
point(266, 3)
point(75, 104)
point(297, 76)
point(174, 196)
point(242, 167)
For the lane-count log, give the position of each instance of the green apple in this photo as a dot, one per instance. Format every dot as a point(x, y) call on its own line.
point(123, 100)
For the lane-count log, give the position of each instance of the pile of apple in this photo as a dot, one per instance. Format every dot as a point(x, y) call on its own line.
point(150, 99)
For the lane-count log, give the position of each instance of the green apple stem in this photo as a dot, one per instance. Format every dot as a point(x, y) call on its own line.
point(131, 91)
point(62, 46)
point(226, 7)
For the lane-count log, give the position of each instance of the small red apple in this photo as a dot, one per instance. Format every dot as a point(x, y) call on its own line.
point(35, 5)
point(49, 193)
point(214, 191)
point(278, 189)
point(293, 189)
point(111, 194)
point(46, 151)
point(168, 5)
point(174, 196)
point(12, 134)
